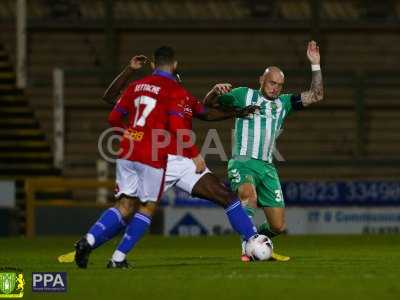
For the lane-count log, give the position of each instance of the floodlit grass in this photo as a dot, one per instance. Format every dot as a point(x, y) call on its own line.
point(322, 267)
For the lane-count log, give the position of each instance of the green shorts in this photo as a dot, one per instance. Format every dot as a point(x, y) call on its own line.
point(262, 175)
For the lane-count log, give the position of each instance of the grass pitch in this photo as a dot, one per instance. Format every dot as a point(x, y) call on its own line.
point(322, 267)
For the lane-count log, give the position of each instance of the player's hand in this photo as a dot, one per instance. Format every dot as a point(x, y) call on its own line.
point(313, 53)
point(248, 110)
point(199, 163)
point(137, 62)
point(222, 88)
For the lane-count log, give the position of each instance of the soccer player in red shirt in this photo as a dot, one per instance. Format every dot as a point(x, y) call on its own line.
point(157, 103)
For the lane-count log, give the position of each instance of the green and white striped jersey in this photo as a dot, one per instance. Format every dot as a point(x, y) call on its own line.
point(255, 136)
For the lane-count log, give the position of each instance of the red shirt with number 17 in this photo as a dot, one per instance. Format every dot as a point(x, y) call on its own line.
point(153, 106)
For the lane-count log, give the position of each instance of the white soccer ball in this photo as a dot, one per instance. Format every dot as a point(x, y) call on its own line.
point(259, 247)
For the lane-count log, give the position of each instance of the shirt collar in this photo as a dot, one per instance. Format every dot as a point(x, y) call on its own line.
point(164, 74)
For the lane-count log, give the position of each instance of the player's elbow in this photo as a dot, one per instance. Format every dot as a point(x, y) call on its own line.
point(319, 94)
point(314, 97)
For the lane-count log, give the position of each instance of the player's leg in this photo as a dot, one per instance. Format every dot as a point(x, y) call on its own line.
point(270, 198)
point(173, 171)
point(243, 181)
point(275, 224)
point(150, 187)
point(127, 206)
point(113, 220)
point(247, 194)
point(208, 186)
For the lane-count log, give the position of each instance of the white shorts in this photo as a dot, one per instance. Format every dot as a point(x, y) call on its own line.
point(181, 171)
point(135, 179)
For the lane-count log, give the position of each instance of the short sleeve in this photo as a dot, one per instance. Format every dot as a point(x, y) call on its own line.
point(176, 107)
point(123, 104)
point(291, 102)
point(235, 98)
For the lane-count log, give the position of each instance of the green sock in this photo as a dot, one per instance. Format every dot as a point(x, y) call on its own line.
point(263, 228)
point(266, 230)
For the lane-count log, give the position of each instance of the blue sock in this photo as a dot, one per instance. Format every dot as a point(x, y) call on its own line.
point(240, 221)
point(134, 232)
point(106, 227)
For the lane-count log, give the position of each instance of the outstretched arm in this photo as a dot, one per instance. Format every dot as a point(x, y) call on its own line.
point(212, 114)
point(316, 91)
point(211, 99)
point(121, 81)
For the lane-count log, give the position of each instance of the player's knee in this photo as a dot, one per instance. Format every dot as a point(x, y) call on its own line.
point(126, 207)
point(247, 194)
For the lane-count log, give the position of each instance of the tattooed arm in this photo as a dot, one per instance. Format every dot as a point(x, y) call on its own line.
point(316, 91)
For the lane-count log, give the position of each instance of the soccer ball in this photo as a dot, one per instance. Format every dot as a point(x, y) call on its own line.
point(259, 247)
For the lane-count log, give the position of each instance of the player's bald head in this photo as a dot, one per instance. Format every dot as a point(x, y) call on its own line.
point(273, 71)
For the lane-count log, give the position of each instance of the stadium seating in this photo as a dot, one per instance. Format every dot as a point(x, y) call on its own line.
point(85, 114)
point(205, 10)
point(238, 58)
point(24, 148)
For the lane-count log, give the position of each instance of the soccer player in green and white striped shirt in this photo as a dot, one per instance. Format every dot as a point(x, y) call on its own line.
point(251, 171)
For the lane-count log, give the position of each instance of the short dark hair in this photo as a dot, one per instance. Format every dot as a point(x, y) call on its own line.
point(164, 55)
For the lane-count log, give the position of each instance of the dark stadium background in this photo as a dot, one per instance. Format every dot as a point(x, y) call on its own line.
point(342, 165)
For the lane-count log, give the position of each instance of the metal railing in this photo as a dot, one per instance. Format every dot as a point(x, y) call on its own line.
point(34, 185)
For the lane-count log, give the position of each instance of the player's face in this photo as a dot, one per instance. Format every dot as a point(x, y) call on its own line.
point(272, 84)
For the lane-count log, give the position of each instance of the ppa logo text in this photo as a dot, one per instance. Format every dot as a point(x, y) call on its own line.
point(49, 281)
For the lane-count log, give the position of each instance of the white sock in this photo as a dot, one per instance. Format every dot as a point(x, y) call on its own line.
point(118, 256)
point(90, 239)
point(243, 247)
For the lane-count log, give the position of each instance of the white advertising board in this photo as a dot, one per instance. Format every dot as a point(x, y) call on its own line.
point(300, 220)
